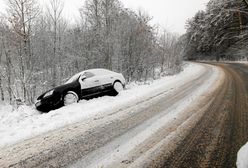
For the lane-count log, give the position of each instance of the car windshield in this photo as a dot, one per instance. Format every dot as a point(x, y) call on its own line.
point(73, 78)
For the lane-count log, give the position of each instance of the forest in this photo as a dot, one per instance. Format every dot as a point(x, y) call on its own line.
point(40, 49)
point(218, 33)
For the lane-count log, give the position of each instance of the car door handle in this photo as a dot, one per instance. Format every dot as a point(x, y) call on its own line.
point(97, 81)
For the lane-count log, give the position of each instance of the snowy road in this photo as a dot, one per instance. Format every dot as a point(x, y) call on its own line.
point(128, 131)
point(216, 139)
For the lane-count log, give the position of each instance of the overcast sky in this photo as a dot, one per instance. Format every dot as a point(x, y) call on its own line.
point(170, 14)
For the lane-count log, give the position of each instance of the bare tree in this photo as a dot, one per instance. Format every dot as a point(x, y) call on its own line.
point(22, 14)
point(40, 51)
point(55, 9)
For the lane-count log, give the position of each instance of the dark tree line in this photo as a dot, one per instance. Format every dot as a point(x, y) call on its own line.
point(219, 32)
point(39, 49)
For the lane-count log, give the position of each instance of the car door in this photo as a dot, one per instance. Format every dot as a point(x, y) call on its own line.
point(90, 84)
point(106, 82)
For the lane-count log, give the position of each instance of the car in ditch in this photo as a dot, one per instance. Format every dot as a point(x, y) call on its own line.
point(84, 85)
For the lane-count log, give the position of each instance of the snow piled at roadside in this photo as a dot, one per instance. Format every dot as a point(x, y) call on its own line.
point(242, 161)
point(25, 122)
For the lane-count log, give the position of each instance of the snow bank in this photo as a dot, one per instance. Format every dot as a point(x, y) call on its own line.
point(242, 161)
point(26, 122)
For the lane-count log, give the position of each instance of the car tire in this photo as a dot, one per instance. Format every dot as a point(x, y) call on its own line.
point(70, 98)
point(118, 87)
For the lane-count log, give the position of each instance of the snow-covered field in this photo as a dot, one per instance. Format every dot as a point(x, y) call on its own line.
point(25, 122)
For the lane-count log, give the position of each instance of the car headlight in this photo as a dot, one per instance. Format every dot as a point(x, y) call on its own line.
point(49, 93)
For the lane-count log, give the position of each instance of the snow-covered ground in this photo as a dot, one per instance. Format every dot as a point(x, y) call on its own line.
point(242, 161)
point(25, 122)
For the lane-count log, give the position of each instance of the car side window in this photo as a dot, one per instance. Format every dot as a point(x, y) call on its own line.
point(88, 74)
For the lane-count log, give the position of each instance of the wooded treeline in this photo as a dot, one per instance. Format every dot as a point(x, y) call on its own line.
point(219, 32)
point(39, 49)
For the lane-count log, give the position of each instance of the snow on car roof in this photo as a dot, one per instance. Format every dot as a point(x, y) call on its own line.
point(98, 71)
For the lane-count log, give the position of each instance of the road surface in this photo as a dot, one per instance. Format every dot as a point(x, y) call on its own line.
point(169, 132)
point(217, 137)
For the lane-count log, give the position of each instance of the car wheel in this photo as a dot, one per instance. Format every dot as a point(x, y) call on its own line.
point(70, 98)
point(118, 87)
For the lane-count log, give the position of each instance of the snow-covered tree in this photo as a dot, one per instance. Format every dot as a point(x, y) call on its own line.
point(210, 33)
point(39, 49)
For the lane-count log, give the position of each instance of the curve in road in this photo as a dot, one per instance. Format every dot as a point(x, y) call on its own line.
point(208, 133)
point(221, 132)
point(65, 146)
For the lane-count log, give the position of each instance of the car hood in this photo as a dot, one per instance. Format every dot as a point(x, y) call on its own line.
point(59, 89)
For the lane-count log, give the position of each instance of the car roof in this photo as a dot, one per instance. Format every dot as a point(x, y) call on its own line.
point(99, 71)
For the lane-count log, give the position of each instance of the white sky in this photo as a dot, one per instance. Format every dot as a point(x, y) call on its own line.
point(171, 14)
